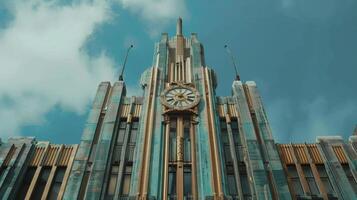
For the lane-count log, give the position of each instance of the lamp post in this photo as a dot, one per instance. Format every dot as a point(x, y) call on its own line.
point(233, 61)
point(123, 68)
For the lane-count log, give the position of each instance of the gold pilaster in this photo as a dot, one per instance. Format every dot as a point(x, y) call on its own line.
point(216, 164)
point(193, 160)
point(179, 170)
point(166, 160)
point(144, 170)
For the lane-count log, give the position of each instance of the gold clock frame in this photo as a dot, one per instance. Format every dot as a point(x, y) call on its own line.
point(178, 108)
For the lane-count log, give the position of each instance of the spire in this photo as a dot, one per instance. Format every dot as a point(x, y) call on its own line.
point(179, 26)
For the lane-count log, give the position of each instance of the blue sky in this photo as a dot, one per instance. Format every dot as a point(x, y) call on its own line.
point(301, 54)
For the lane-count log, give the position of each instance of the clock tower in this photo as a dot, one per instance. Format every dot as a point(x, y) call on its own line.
point(180, 149)
point(188, 149)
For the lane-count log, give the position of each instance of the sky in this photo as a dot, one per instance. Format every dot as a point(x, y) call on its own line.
point(301, 54)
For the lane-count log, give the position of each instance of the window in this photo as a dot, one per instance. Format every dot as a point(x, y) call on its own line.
point(237, 140)
point(119, 144)
point(134, 131)
point(244, 180)
point(172, 181)
point(41, 183)
point(295, 181)
point(112, 181)
point(126, 181)
point(130, 153)
point(324, 178)
point(232, 185)
point(187, 181)
point(121, 132)
point(117, 154)
point(84, 184)
point(132, 141)
point(239, 152)
point(227, 154)
point(310, 179)
point(224, 134)
point(26, 182)
point(56, 183)
point(187, 140)
point(235, 132)
point(350, 177)
point(172, 138)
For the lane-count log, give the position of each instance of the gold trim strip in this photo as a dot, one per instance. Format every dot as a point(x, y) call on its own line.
point(166, 161)
point(179, 149)
point(193, 161)
point(144, 176)
point(212, 134)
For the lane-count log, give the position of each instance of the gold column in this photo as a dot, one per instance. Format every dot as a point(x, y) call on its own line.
point(215, 160)
point(193, 160)
point(145, 162)
point(180, 158)
point(166, 160)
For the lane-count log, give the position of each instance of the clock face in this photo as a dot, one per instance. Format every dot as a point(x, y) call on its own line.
point(180, 97)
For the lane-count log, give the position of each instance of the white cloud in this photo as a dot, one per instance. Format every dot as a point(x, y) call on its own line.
point(311, 10)
point(310, 119)
point(324, 119)
point(157, 13)
point(42, 64)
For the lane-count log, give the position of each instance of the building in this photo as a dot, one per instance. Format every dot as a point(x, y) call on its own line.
point(178, 141)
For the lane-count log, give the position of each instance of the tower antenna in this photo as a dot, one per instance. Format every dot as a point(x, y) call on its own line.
point(233, 61)
point(123, 68)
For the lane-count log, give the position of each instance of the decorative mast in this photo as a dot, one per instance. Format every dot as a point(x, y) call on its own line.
point(123, 68)
point(233, 61)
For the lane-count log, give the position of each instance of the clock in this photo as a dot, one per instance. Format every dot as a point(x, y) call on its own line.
point(180, 97)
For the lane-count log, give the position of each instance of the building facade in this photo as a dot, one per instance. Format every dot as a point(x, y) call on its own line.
point(178, 141)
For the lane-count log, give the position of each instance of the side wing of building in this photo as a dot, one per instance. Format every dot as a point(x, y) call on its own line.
point(323, 170)
point(34, 170)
